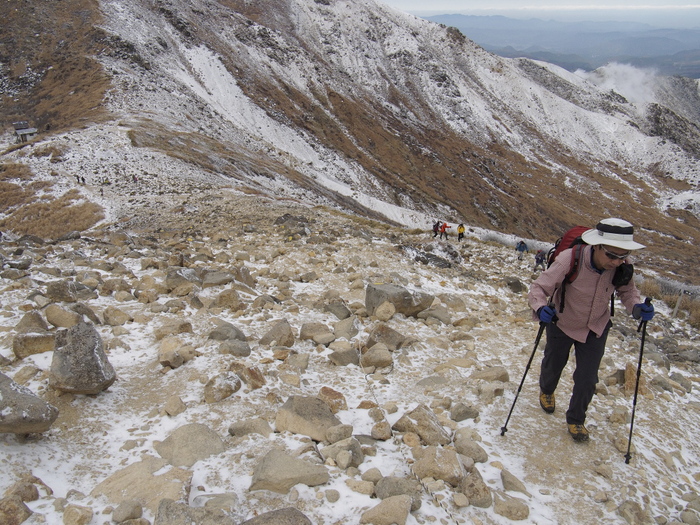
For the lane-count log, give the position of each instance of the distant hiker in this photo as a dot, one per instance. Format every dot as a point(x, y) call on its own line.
point(102, 192)
point(521, 248)
point(436, 228)
point(583, 320)
point(540, 258)
point(443, 230)
point(82, 180)
point(77, 177)
point(460, 232)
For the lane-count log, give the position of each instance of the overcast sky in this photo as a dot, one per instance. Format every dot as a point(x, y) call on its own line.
point(675, 13)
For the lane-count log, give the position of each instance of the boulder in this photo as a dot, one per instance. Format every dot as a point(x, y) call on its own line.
point(280, 334)
point(309, 416)
point(391, 511)
point(389, 486)
point(439, 463)
point(279, 472)
point(288, 516)
point(79, 363)
point(405, 302)
point(423, 422)
point(189, 444)
point(175, 513)
point(24, 345)
point(22, 412)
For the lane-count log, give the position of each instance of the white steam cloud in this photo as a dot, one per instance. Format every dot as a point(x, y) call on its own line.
point(638, 86)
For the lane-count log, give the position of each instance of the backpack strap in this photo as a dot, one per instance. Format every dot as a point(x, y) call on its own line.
point(574, 268)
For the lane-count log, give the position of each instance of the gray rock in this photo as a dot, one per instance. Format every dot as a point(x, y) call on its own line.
point(250, 426)
point(494, 373)
point(386, 335)
point(189, 444)
point(225, 332)
point(221, 386)
point(212, 279)
point(439, 312)
point(378, 356)
point(510, 507)
point(13, 511)
point(439, 463)
point(22, 412)
point(404, 301)
point(24, 345)
point(391, 511)
point(474, 488)
point(344, 356)
point(511, 483)
point(31, 322)
point(460, 412)
point(280, 334)
point(309, 416)
point(347, 328)
point(288, 516)
point(350, 445)
point(173, 513)
point(339, 309)
point(79, 363)
point(60, 317)
point(424, 422)
point(235, 347)
point(279, 472)
point(127, 510)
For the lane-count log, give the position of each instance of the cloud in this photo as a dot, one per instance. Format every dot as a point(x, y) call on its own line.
point(637, 85)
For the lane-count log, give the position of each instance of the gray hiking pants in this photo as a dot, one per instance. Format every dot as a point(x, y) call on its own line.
point(588, 356)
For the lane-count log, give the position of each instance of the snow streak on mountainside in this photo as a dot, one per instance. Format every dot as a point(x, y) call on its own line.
point(353, 104)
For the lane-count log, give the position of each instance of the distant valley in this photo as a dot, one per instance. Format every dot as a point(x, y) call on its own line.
point(584, 45)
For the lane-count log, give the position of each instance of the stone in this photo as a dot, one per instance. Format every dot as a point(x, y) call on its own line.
point(147, 482)
point(338, 433)
point(460, 412)
point(511, 483)
point(188, 444)
point(174, 406)
point(13, 511)
point(31, 322)
point(221, 386)
point(343, 355)
point(175, 513)
point(476, 490)
point(22, 412)
point(127, 510)
point(228, 299)
point(172, 327)
point(492, 374)
point(280, 334)
point(287, 516)
point(386, 335)
point(24, 345)
point(309, 416)
point(377, 356)
point(226, 332)
point(512, 508)
point(423, 422)
point(404, 301)
point(79, 364)
point(390, 486)
point(385, 311)
point(334, 399)
point(350, 445)
point(279, 472)
point(438, 463)
point(77, 515)
point(391, 511)
point(250, 426)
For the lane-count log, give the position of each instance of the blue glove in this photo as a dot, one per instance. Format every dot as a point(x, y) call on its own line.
point(546, 314)
point(643, 311)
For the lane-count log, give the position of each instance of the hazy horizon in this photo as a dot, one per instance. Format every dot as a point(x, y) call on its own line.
point(660, 16)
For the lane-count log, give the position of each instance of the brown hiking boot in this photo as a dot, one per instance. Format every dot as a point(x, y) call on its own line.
point(578, 432)
point(547, 402)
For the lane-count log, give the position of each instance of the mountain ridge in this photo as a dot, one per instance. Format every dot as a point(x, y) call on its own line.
point(366, 108)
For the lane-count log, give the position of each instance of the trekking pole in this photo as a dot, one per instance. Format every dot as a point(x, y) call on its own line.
point(643, 328)
point(504, 428)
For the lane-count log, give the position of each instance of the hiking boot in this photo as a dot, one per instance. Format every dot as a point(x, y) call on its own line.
point(547, 402)
point(578, 432)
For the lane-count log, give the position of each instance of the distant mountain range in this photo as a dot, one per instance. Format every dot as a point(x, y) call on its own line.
point(584, 45)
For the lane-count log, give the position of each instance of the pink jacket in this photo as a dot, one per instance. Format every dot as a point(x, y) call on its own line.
point(587, 298)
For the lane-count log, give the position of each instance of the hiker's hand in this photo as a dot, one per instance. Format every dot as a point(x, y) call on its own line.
point(546, 313)
point(643, 311)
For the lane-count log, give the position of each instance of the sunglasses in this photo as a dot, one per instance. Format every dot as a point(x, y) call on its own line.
point(615, 256)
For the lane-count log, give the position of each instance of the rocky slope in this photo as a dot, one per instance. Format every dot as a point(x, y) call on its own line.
point(203, 415)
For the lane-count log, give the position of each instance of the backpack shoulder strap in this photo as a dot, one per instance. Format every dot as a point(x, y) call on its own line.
point(574, 268)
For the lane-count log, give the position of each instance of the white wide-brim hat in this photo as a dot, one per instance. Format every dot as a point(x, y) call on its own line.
point(612, 232)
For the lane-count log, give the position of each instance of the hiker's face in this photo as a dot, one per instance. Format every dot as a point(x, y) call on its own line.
point(609, 257)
